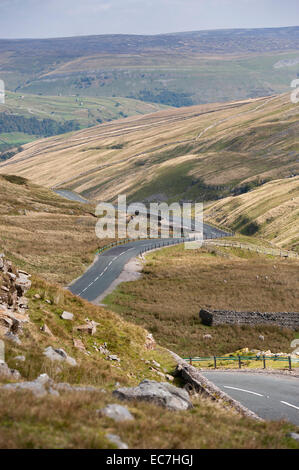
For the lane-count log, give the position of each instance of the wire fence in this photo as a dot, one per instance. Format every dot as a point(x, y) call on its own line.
point(216, 361)
point(159, 243)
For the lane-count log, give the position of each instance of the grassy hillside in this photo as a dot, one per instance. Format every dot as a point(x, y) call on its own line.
point(44, 233)
point(177, 283)
point(40, 242)
point(200, 153)
point(271, 212)
point(81, 111)
point(173, 69)
point(71, 420)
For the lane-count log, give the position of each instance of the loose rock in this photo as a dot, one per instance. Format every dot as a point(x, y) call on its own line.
point(67, 316)
point(118, 413)
point(59, 355)
point(162, 394)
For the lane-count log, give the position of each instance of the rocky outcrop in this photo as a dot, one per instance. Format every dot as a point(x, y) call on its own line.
point(7, 373)
point(44, 385)
point(14, 284)
point(159, 393)
point(230, 317)
point(59, 355)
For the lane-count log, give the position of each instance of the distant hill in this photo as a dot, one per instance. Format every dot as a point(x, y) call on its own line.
point(26, 117)
point(271, 212)
point(201, 153)
point(175, 69)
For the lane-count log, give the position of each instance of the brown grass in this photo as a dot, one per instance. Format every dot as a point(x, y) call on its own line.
point(162, 153)
point(44, 233)
point(70, 421)
point(176, 283)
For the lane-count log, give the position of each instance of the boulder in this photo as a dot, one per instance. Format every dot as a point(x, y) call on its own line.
point(39, 387)
point(162, 394)
point(67, 316)
point(90, 328)
point(7, 373)
point(59, 355)
point(10, 321)
point(22, 284)
point(118, 413)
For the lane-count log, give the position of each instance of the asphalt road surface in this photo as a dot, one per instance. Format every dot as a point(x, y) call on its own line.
point(270, 397)
point(109, 265)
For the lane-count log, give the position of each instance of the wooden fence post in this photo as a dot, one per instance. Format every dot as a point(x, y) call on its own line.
point(190, 361)
point(264, 361)
point(215, 362)
point(240, 364)
point(290, 363)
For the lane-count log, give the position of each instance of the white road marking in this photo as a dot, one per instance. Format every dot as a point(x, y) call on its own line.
point(289, 404)
point(102, 273)
point(242, 390)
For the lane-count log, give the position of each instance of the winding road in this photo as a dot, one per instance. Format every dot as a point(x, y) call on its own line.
point(109, 265)
point(271, 397)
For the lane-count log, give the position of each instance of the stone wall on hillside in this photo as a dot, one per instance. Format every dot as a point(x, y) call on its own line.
point(230, 317)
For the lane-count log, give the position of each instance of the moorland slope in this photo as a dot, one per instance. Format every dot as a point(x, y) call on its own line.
point(198, 153)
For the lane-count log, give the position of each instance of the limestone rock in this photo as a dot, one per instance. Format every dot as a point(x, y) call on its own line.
point(162, 394)
point(118, 413)
point(67, 316)
point(39, 387)
point(150, 343)
point(113, 357)
point(7, 373)
point(59, 355)
point(90, 328)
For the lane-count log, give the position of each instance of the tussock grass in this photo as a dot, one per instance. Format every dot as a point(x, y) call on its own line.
point(70, 421)
point(125, 340)
point(176, 283)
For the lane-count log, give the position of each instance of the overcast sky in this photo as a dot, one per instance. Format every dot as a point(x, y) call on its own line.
point(56, 18)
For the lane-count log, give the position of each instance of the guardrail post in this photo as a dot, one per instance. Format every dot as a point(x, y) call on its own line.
point(240, 364)
point(264, 361)
point(190, 361)
point(290, 363)
point(215, 362)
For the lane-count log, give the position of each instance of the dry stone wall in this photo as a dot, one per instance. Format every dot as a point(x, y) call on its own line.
point(231, 317)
